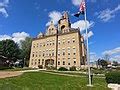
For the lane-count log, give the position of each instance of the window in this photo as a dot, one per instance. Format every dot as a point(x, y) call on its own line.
point(39, 61)
point(50, 42)
point(68, 50)
point(53, 43)
point(34, 46)
point(49, 52)
point(63, 41)
point(63, 62)
point(43, 53)
point(74, 51)
point(74, 62)
point(42, 61)
point(73, 40)
point(47, 42)
point(39, 53)
point(68, 59)
point(36, 54)
point(68, 63)
point(68, 53)
point(62, 27)
point(40, 45)
point(52, 52)
point(35, 62)
point(32, 62)
point(58, 52)
point(68, 41)
point(37, 44)
point(58, 41)
point(33, 54)
point(58, 62)
point(63, 51)
point(74, 59)
point(44, 44)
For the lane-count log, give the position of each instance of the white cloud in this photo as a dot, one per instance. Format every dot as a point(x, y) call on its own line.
point(3, 6)
point(82, 25)
point(108, 14)
point(3, 12)
point(93, 57)
point(113, 51)
point(116, 58)
point(90, 34)
point(76, 2)
point(54, 16)
point(17, 37)
point(4, 37)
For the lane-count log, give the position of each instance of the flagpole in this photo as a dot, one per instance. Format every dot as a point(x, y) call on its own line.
point(88, 58)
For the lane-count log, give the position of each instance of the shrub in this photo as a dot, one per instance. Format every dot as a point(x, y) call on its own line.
point(113, 77)
point(73, 68)
point(62, 69)
point(50, 68)
point(40, 66)
point(118, 68)
point(4, 68)
point(97, 72)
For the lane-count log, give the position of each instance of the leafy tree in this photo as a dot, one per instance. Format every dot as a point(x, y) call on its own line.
point(106, 57)
point(115, 63)
point(103, 63)
point(25, 49)
point(10, 50)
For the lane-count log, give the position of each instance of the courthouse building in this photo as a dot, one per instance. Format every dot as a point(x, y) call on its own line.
point(59, 46)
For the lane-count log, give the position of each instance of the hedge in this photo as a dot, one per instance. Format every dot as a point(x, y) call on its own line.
point(4, 68)
point(62, 69)
point(113, 77)
point(73, 68)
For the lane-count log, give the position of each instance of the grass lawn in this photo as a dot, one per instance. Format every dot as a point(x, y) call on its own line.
point(45, 81)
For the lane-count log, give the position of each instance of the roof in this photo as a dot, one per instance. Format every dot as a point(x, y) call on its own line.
point(72, 30)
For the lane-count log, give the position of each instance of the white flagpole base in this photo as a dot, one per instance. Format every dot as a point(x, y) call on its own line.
point(90, 85)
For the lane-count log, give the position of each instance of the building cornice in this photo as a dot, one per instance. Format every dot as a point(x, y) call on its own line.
point(59, 34)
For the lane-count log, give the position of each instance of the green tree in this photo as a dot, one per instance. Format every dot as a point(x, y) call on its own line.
point(103, 63)
point(25, 49)
point(115, 63)
point(10, 50)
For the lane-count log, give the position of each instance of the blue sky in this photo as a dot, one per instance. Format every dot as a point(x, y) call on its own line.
point(21, 18)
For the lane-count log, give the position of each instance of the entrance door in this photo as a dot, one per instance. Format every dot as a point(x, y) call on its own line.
point(49, 62)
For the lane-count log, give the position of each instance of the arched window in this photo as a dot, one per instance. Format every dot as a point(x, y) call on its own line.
point(62, 27)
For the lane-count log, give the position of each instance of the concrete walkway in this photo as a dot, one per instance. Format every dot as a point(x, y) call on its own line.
point(5, 74)
point(55, 73)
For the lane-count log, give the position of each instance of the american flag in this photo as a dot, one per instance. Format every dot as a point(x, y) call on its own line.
point(82, 6)
point(81, 10)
